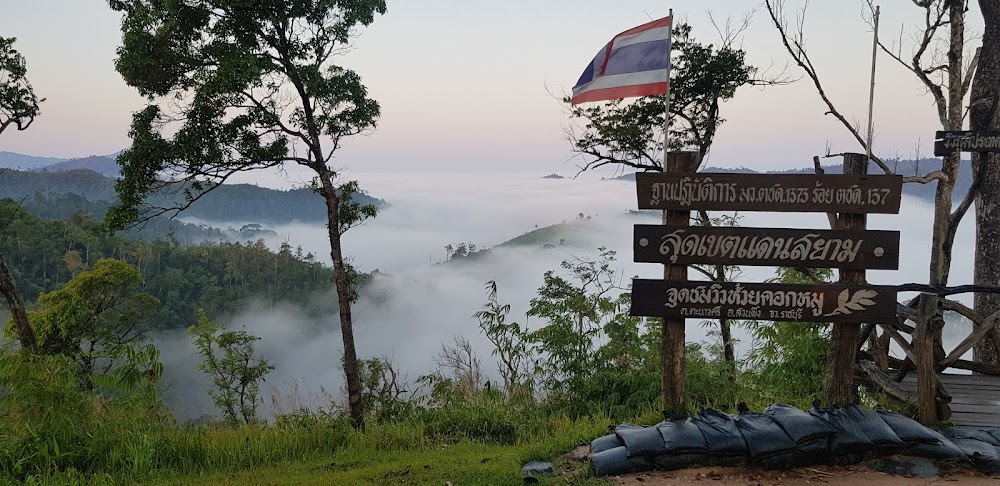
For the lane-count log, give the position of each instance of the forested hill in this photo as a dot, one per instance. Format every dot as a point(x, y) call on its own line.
point(219, 278)
point(902, 167)
point(228, 203)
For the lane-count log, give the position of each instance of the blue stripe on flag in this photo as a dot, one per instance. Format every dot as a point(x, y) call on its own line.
point(646, 56)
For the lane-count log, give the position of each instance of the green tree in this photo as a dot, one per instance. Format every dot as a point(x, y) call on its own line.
point(235, 369)
point(246, 82)
point(18, 108)
point(574, 310)
point(18, 103)
point(95, 317)
point(510, 343)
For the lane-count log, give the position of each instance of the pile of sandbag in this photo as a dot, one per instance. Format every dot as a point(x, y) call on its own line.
point(784, 436)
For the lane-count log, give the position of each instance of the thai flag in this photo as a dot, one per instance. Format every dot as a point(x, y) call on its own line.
point(635, 63)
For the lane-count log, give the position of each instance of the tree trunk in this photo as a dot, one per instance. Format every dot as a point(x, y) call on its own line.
point(985, 115)
point(344, 300)
point(17, 310)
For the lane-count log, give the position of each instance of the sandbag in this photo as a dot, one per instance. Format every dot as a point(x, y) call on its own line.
point(908, 430)
point(641, 441)
point(977, 433)
point(994, 431)
point(721, 434)
point(984, 456)
point(763, 436)
point(611, 461)
point(849, 437)
point(942, 449)
point(799, 425)
point(681, 435)
point(602, 444)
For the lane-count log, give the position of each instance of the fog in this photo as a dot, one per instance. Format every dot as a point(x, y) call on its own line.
point(423, 302)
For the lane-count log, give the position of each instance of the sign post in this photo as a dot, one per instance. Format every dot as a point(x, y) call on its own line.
point(850, 247)
point(948, 143)
point(673, 372)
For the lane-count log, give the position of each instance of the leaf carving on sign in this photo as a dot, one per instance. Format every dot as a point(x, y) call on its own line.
point(847, 303)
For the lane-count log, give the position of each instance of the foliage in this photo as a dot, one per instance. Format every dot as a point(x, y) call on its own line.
point(510, 344)
point(221, 278)
point(18, 102)
point(630, 133)
point(254, 81)
point(94, 318)
point(48, 423)
point(574, 311)
point(236, 371)
point(787, 360)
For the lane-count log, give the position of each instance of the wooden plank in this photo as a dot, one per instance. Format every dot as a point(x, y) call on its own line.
point(965, 141)
point(784, 247)
point(776, 302)
point(976, 419)
point(923, 349)
point(770, 192)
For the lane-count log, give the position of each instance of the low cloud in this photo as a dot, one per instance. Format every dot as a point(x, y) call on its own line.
point(408, 314)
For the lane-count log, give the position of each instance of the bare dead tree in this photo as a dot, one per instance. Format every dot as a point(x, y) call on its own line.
point(945, 75)
point(460, 363)
point(947, 79)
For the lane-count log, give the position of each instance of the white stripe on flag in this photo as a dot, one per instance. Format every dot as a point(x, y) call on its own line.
point(657, 34)
point(626, 79)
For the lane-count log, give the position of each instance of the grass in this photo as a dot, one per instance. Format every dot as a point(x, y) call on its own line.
point(399, 453)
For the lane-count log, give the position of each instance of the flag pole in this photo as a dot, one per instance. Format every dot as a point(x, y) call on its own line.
point(666, 97)
point(871, 92)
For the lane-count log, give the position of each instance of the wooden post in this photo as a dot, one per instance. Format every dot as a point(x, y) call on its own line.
point(839, 380)
point(673, 378)
point(923, 344)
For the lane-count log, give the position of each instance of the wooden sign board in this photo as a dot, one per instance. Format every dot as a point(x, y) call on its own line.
point(835, 303)
point(835, 193)
point(965, 141)
point(853, 249)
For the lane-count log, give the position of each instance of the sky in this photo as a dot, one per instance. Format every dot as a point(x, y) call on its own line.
point(475, 86)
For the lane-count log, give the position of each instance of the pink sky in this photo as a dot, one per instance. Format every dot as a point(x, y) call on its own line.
point(471, 86)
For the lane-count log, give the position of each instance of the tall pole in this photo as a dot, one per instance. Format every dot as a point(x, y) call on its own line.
point(871, 91)
point(666, 97)
point(673, 370)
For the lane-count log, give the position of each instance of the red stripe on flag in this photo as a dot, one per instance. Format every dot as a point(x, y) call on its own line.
point(607, 94)
point(664, 22)
point(607, 56)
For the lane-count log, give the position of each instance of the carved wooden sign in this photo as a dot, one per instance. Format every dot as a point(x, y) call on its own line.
point(834, 193)
point(834, 303)
point(853, 249)
point(965, 141)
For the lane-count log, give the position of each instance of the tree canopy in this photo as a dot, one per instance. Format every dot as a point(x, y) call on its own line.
point(18, 102)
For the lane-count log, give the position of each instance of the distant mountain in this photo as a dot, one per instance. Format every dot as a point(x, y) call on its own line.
point(228, 203)
point(902, 167)
point(103, 165)
point(11, 160)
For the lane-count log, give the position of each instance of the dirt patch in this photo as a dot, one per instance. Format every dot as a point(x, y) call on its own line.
point(825, 475)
